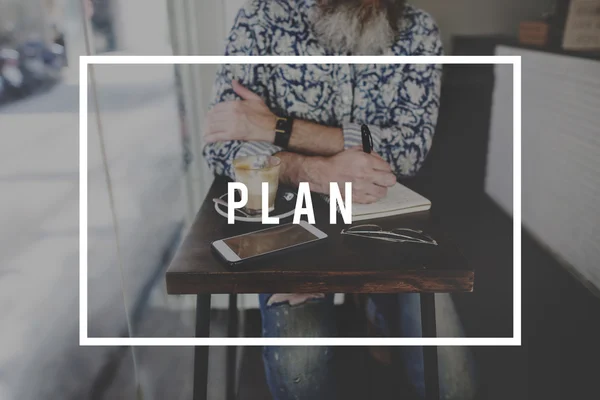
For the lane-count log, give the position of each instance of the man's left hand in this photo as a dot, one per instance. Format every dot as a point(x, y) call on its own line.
point(248, 119)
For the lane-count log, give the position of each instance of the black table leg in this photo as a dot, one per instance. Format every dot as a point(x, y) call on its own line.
point(232, 331)
point(201, 352)
point(430, 357)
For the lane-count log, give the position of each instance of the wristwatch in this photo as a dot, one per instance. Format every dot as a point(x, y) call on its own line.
point(283, 131)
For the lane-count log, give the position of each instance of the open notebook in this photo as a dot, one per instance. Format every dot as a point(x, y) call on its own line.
point(398, 200)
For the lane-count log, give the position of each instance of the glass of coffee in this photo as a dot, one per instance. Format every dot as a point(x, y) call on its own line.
point(252, 171)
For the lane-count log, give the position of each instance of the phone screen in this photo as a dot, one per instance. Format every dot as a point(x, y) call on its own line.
point(269, 240)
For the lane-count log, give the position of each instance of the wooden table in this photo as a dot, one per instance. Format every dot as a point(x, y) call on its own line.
point(339, 265)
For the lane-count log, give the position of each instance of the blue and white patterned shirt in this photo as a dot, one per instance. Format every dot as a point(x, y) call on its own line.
point(399, 102)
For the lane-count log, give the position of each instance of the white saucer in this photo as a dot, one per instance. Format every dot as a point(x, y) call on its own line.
point(284, 207)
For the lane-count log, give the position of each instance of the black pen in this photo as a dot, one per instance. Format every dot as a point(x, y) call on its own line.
point(367, 139)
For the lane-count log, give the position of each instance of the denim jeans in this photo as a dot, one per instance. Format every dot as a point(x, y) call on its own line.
point(307, 372)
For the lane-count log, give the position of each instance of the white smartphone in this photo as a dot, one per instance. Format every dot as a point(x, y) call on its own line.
point(265, 242)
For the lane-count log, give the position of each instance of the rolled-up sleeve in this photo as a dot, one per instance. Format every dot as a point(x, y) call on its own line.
point(405, 142)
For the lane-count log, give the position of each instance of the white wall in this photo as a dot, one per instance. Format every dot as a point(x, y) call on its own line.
point(560, 148)
point(499, 170)
point(471, 17)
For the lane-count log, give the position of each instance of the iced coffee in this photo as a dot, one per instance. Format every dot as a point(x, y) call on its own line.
point(252, 171)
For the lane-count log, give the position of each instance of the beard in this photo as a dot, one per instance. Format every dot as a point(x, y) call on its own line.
point(351, 26)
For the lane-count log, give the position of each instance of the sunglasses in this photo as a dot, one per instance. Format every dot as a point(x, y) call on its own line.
point(397, 235)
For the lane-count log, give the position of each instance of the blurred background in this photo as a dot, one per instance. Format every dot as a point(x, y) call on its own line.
point(144, 134)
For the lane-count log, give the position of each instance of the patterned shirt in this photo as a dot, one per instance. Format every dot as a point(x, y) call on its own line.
point(399, 102)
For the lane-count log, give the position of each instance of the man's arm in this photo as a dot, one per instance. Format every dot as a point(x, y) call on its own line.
point(248, 36)
point(251, 120)
point(311, 138)
point(370, 174)
point(404, 142)
point(296, 168)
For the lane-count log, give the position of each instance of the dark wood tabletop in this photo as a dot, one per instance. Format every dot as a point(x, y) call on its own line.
point(338, 264)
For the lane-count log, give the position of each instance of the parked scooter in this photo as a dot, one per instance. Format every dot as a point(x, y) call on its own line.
point(33, 66)
point(55, 60)
point(10, 72)
point(32, 63)
point(40, 63)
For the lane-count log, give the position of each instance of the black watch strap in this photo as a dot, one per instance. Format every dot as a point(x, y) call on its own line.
point(283, 131)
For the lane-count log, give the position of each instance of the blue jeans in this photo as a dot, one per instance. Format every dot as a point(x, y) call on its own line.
point(307, 372)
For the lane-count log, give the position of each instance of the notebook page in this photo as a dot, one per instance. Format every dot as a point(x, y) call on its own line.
point(398, 197)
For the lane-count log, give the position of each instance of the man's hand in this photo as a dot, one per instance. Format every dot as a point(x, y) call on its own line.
point(369, 173)
point(248, 119)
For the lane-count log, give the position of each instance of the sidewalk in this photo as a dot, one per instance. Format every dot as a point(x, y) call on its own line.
point(39, 183)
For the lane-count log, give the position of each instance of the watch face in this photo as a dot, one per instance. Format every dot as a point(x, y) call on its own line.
point(282, 124)
point(283, 131)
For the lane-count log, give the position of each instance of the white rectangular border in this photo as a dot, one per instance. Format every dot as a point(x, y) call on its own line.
point(84, 340)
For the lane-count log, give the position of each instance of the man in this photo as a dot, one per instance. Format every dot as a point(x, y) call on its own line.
point(325, 106)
